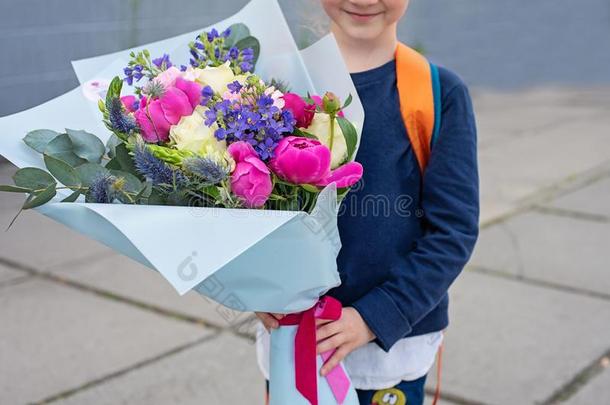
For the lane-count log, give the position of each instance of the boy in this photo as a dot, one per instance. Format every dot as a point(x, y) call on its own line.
point(397, 264)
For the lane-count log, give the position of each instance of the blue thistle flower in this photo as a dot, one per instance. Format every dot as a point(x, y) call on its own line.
point(156, 170)
point(101, 190)
point(208, 169)
point(119, 120)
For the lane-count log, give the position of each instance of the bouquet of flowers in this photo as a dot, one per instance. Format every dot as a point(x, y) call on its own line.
point(213, 134)
point(225, 158)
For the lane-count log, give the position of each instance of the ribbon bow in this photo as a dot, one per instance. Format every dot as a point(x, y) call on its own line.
point(305, 359)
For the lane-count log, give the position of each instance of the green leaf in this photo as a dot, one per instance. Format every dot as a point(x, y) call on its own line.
point(348, 101)
point(14, 189)
point(145, 192)
point(62, 172)
point(89, 171)
point(111, 145)
point(310, 188)
point(125, 160)
point(62, 148)
point(350, 135)
point(40, 198)
point(86, 146)
point(156, 198)
point(33, 178)
point(114, 90)
point(113, 164)
point(132, 183)
point(239, 31)
point(250, 42)
point(39, 139)
point(72, 197)
point(304, 134)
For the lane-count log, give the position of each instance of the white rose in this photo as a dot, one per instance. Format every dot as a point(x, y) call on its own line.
point(215, 77)
point(320, 127)
point(193, 135)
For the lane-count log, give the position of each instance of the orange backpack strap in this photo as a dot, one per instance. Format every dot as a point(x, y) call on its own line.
point(419, 93)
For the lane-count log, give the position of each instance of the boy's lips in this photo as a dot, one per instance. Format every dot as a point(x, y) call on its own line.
point(362, 17)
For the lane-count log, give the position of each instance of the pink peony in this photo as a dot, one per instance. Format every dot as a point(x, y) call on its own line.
point(343, 176)
point(251, 179)
point(302, 111)
point(301, 160)
point(307, 161)
point(131, 103)
point(157, 116)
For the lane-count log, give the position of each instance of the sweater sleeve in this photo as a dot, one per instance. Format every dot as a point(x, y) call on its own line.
point(450, 202)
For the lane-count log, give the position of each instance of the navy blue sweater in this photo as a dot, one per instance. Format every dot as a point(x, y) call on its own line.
point(406, 237)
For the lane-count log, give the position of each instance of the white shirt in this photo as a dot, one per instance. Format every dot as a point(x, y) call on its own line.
point(371, 368)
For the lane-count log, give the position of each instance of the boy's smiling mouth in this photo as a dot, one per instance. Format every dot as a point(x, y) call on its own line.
point(362, 17)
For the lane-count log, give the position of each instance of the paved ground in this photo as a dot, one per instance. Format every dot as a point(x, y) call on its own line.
point(530, 316)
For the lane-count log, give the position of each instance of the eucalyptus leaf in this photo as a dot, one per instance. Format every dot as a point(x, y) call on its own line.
point(40, 198)
point(111, 145)
point(132, 184)
point(86, 146)
point(39, 139)
point(61, 147)
point(33, 178)
point(113, 164)
point(62, 171)
point(125, 160)
point(350, 135)
point(239, 31)
point(72, 197)
point(89, 171)
point(145, 191)
point(250, 42)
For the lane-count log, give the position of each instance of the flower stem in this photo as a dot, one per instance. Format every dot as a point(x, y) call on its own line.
point(332, 133)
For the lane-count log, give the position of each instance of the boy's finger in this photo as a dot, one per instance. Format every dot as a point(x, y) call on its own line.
point(334, 360)
point(278, 316)
point(331, 343)
point(323, 321)
point(326, 331)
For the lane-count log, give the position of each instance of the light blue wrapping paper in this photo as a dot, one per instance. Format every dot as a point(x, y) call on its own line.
point(271, 261)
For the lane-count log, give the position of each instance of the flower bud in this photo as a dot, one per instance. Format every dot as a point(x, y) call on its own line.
point(331, 103)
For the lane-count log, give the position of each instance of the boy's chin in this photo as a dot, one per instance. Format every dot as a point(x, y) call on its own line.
point(363, 33)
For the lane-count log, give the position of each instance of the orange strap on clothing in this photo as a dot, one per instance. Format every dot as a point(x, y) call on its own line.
point(416, 94)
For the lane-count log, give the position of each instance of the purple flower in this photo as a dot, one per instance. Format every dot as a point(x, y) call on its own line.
point(163, 62)
point(234, 87)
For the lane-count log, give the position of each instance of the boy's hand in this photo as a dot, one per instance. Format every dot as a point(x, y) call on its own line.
point(346, 334)
point(270, 321)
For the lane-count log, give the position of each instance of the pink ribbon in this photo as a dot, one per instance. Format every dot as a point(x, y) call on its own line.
point(305, 359)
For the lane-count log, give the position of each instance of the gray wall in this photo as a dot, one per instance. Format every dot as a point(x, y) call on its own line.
point(489, 42)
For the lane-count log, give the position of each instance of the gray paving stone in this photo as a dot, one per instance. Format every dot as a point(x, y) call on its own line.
point(515, 171)
point(32, 232)
point(220, 371)
point(513, 343)
point(597, 391)
point(8, 274)
point(122, 276)
point(557, 249)
point(507, 116)
point(593, 199)
point(56, 338)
